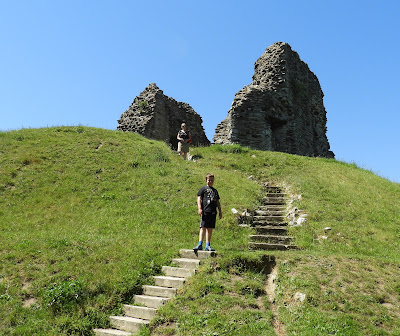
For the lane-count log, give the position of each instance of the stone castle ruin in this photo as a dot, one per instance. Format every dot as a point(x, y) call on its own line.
point(281, 110)
point(159, 117)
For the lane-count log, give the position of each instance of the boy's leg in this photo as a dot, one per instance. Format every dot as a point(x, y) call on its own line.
point(208, 235)
point(208, 240)
point(201, 234)
point(201, 238)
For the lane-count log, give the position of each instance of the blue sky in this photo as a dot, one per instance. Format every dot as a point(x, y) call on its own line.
point(83, 62)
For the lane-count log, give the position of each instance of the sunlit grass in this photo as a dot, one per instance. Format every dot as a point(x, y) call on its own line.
point(87, 216)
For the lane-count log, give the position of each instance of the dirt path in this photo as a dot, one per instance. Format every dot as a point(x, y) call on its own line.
point(279, 327)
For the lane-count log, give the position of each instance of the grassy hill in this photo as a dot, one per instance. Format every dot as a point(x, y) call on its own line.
point(87, 216)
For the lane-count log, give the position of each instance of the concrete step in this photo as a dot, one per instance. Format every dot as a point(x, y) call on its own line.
point(285, 240)
point(272, 230)
point(190, 254)
point(139, 312)
point(187, 263)
point(269, 247)
point(111, 332)
point(260, 212)
point(178, 271)
point(159, 291)
point(126, 323)
point(168, 281)
point(151, 301)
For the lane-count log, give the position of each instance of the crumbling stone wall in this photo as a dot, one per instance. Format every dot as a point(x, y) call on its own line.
point(281, 110)
point(159, 117)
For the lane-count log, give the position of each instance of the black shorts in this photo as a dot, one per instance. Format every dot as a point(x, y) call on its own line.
point(208, 220)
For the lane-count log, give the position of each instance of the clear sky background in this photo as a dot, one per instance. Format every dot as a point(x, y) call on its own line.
point(82, 62)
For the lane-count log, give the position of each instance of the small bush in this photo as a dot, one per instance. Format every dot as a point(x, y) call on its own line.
point(63, 295)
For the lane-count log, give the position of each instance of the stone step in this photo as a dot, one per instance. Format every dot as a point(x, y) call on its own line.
point(151, 301)
point(268, 223)
point(178, 271)
point(273, 189)
point(111, 332)
point(190, 254)
point(275, 194)
point(269, 247)
point(187, 263)
point(260, 212)
point(126, 323)
point(159, 291)
point(266, 218)
point(139, 312)
point(274, 201)
point(273, 230)
point(168, 281)
point(272, 207)
point(285, 240)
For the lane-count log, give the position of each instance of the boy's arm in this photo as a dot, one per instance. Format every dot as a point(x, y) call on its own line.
point(219, 209)
point(200, 210)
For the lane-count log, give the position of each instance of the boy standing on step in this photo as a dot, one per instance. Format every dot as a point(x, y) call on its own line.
point(207, 204)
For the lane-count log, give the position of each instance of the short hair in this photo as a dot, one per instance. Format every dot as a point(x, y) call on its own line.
point(209, 175)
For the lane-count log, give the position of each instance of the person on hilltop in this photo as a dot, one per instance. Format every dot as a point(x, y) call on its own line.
point(184, 139)
point(207, 203)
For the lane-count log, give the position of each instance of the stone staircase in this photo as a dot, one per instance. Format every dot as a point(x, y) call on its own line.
point(153, 297)
point(270, 223)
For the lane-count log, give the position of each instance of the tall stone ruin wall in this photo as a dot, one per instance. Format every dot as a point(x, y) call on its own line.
point(281, 110)
point(157, 116)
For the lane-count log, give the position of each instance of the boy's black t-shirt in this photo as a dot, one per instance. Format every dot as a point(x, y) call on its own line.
point(209, 197)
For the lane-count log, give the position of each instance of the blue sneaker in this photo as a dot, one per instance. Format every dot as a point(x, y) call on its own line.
point(209, 248)
point(198, 248)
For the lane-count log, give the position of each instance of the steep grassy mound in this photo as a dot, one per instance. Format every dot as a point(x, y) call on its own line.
point(88, 215)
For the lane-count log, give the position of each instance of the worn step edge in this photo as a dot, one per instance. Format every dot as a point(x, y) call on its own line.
point(126, 323)
point(178, 271)
point(268, 223)
point(272, 228)
point(191, 254)
point(269, 212)
point(159, 291)
point(169, 281)
point(266, 246)
point(151, 301)
point(271, 239)
point(111, 332)
point(145, 313)
point(187, 263)
point(272, 208)
point(272, 219)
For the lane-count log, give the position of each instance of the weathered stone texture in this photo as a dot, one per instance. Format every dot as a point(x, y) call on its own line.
point(159, 117)
point(281, 110)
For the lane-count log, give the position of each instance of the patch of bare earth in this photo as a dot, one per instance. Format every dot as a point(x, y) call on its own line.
point(278, 326)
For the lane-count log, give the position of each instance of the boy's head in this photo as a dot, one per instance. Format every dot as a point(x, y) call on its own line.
point(210, 179)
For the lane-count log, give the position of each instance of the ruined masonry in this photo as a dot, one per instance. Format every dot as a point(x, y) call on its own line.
point(281, 110)
point(159, 117)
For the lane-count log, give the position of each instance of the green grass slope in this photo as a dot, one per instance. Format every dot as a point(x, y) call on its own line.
point(87, 216)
